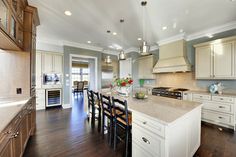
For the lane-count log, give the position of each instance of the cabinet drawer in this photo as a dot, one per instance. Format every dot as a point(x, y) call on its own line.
point(218, 117)
point(201, 97)
point(137, 151)
point(149, 141)
point(149, 124)
point(223, 99)
point(220, 107)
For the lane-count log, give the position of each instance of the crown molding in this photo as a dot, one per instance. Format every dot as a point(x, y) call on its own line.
point(83, 46)
point(214, 30)
point(171, 39)
point(132, 49)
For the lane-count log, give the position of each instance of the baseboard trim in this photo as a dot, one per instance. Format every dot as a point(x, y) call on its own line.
point(65, 106)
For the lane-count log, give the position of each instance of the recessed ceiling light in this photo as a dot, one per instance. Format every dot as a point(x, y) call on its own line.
point(209, 35)
point(164, 28)
point(139, 39)
point(181, 30)
point(68, 13)
point(232, 0)
point(89, 42)
point(114, 33)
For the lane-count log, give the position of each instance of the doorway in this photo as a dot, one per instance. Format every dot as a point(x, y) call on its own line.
point(82, 68)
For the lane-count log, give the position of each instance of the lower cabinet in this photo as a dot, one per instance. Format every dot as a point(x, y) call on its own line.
point(217, 109)
point(17, 133)
point(151, 138)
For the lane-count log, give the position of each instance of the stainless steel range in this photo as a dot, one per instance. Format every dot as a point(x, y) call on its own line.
point(175, 93)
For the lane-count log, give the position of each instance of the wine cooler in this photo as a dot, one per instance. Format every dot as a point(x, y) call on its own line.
point(53, 97)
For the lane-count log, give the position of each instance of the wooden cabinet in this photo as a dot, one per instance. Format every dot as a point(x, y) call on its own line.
point(216, 59)
point(11, 25)
point(15, 137)
point(52, 63)
point(145, 67)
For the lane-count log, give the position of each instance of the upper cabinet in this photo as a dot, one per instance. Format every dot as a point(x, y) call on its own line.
point(52, 63)
point(216, 59)
point(13, 22)
point(145, 67)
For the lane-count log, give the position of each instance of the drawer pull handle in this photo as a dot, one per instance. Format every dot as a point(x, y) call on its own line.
point(221, 117)
point(145, 140)
point(221, 99)
point(144, 123)
point(221, 107)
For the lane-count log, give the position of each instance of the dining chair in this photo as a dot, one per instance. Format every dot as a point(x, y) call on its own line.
point(80, 87)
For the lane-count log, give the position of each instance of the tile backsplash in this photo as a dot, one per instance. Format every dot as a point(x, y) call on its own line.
point(15, 73)
point(187, 80)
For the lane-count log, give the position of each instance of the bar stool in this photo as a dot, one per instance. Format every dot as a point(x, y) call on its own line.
point(94, 104)
point(108, 113)
point(123, 120)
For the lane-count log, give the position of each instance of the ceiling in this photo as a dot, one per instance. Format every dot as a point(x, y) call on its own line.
point(92, 18)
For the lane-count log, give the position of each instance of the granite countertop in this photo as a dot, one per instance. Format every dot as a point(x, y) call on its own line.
point(208, 93)
point(165, 110)
point(9, 108)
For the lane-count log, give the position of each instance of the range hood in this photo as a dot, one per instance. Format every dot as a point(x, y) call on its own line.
point(172, 58)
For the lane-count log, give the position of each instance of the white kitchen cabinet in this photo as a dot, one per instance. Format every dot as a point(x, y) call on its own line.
point(52, 63)
point(216, 59)
point(204, 68)
point(223, 60)
point(39, 70)
point(217, 109)
point(151, 138)
point(40, 99)
point(145, 67)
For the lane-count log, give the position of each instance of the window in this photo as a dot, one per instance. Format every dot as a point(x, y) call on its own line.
point(80, 74)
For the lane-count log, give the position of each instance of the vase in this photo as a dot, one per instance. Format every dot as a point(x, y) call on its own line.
point(124, 91)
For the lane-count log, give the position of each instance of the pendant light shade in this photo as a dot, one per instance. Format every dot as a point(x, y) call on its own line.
point(108, 60)
point(144, 48)
point(122, 55)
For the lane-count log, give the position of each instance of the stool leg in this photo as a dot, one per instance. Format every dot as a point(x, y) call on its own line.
point(110, 132)
point(103, 123)
point(115, 132)
point(126, 141)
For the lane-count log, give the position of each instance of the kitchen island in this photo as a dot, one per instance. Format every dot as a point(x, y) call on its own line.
point(164, 127)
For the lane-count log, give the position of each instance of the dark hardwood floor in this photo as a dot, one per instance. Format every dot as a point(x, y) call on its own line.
point(68, 133)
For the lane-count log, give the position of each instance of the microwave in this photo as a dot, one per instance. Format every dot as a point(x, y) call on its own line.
point(52, 79)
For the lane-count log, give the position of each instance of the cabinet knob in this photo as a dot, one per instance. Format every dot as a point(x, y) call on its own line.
point(144, 123)
point(145, 140)
point(221, 107)
point(220, 117)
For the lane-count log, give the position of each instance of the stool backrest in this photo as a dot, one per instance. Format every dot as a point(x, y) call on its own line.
point(106, 104)
point(120, 110)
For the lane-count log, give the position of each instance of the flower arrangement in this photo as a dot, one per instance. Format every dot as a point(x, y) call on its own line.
point(124, 82)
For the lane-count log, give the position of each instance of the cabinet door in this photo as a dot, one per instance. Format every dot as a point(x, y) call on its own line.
point(223, 60)
point(17, 143)
point(38, 70)
point(24, 131)
point(204, 68)
point(47, 63)
point(57, 63)
point(3, 15)
point(7, 151)
point(145, 68)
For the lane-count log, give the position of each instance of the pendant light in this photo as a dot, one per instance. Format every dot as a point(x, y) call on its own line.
point(144, 48)
point(122, 55)
point(107, 59)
